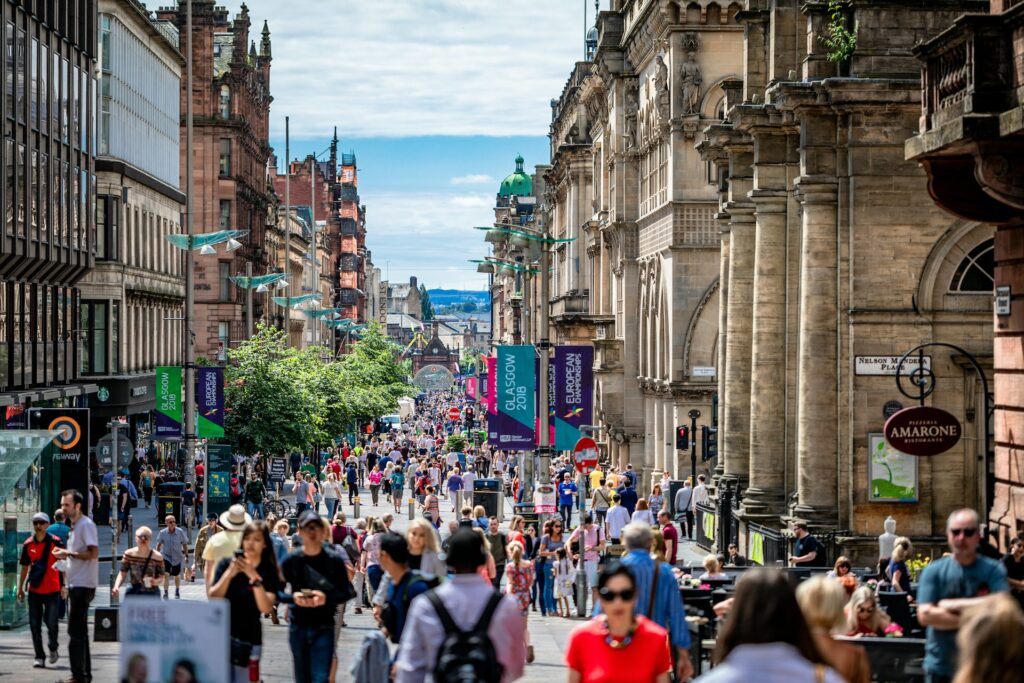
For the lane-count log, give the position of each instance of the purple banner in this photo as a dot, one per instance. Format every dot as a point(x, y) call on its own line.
point(210, 402)
point(574, 393)
point(512, 428)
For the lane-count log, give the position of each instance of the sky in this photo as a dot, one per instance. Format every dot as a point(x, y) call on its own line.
point(436, 98)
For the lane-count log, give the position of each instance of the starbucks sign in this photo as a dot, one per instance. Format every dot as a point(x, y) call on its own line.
point(103, 394)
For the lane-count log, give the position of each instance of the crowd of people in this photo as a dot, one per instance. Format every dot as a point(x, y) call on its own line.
point(454, 593)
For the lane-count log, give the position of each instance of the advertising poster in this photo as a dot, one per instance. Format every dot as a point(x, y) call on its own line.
point(892, 475)
point(210, 402)
point(177, 640)
point(574, 393)
point(516, 387)
point(168, 403)
point(71, 446)
point(219, 475)
point(544, 500)
point(471, 387)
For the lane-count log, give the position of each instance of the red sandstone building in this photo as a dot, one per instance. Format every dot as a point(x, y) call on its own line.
point(231, 111)
point(351, 243)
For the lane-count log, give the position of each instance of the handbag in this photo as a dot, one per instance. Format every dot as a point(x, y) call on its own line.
point(320, 583)
point(241, 651)
point(37, 571)
point(141, 589)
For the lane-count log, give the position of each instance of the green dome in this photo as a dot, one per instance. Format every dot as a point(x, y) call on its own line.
point(517, 183)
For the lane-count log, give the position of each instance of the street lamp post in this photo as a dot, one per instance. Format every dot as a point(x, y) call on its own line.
point(190, 264)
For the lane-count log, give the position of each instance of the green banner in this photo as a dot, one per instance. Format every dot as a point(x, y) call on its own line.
point(168, 402)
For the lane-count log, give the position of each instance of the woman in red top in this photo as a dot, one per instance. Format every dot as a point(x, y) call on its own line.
point(863, 615)
point(618, 647)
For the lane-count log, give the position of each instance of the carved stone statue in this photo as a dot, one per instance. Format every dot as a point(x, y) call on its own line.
point(690, 79)
point(887, 540)
point(661, 91)
point(629, 136)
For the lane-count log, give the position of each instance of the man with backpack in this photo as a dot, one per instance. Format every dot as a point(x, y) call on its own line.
point(255, 494)
point(404, 585)
point(464, 629)
point(44, 584)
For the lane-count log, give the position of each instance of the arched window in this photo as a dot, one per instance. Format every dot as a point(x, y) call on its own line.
point(976, 272)
point(225, 102)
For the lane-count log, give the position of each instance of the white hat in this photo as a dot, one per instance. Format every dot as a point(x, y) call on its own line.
point(235, 519)
point(41, 517)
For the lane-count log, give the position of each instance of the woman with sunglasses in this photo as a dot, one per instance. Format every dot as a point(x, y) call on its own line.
point(863, 615)
point(141, 565)
point(550, 542)
point(618, 646)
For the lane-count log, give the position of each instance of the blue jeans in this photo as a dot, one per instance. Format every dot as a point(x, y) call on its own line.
point(548, 589)
point(374, 574)
point(537, 587)
point(312, 652)
point(256, 510)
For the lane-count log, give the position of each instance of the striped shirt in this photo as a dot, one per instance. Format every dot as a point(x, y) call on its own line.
point(669, 612)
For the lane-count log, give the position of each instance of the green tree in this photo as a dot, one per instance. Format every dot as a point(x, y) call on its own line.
point(468, 306)
point(426, 309)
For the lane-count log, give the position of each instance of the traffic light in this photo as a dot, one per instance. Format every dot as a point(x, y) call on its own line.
point(710, 443)
point(682, 437)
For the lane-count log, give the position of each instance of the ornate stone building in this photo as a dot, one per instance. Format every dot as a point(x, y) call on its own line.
point(640, 278)
point(231, 111)
point(834, 260)
point(971, 143)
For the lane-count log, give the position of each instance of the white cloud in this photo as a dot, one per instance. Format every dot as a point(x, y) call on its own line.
point(474, 179)
point(406, 67)
point(473, 201)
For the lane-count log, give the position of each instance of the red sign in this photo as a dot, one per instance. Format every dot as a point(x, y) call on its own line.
point(369, 428)
point(922, 430)
point(454, 413)
point(585, 455)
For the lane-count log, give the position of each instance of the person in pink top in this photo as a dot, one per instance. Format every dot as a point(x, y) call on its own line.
point(375, 476)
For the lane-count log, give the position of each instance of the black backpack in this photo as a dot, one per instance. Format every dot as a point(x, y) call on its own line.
point(466, 656)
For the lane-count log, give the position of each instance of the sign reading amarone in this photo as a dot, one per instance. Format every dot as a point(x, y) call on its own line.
point(922, 430)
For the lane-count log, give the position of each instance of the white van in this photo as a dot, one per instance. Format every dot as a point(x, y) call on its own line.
point(393, 421)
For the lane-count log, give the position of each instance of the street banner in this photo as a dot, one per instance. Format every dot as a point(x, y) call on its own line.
point(218, 472)
point(210, 402)
point(471, 387)
point(492, 380)
point(551, 403)
point(513, 426)
point(70, 462)
point(574, 393)
point(168, 403)
point(177, 640)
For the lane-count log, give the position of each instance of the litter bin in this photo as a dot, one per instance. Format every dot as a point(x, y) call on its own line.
point(489, 494)
point(168, 501)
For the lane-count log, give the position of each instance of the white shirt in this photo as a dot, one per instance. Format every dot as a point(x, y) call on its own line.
point(700, 494)
point(465, 597)
point(643, 516)
point(467, 481)
point(766, 663)
point(617, 518)
point(83, 573)
point(452, 459)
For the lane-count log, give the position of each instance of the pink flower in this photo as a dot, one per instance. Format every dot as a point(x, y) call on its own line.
point(705, 586)
point(893, 630)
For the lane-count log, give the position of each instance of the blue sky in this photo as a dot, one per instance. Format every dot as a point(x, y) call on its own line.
point(436, 99)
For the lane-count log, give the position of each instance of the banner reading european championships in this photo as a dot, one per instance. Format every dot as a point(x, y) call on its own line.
point(168, 402)
point(515, 393)
point(574, 393)
point(210, 402)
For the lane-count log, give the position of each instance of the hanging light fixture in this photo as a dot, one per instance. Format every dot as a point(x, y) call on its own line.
point(233, 244)
point(262, 288)
point(282, 284)
point(207, 250)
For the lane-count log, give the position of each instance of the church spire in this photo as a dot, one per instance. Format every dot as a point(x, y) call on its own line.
point(265, 42)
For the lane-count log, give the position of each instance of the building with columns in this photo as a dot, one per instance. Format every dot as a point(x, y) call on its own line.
point(835, 261)
point(970, 127)
point(131, 305)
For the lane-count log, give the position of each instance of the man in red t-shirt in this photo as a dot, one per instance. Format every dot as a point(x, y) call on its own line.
point(671, 536)
point(43, 587)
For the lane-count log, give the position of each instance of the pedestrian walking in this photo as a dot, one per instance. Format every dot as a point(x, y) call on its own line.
point(616, 519)
point(249, 580)
point(658, 594)
point(950, 585)
point(147, 485)
point(318, 583)
point(371, 548)
point(301, 494)
point(424, 550)
point(655, 500)
point(643, 513)
point(332, 494)
point(591, 539)
point(519, 580)
point(255, 495)
point(403, 585)
point(567, 493)
point(172, 543)
point(683, 505)
point(352, 481)
point(374, 478)
point(141, 565)
point(81, 579)
point(499, 549)
point(202, 537)
point(454, 485)
point(224, 544)
point(618, 645)
point(397, 486)
point(463, 625)
point(43, 583)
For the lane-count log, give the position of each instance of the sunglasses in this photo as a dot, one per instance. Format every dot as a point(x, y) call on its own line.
point(143, 537)
point(626, 595)
point(38, 521)
point(966, 533)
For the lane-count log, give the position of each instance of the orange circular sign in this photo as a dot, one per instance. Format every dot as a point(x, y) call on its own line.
point(70, 432)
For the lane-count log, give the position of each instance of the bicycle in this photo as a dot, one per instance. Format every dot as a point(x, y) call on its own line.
point(279, 508)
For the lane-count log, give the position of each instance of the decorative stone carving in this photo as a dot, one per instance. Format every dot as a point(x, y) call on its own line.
point(690, 80)
point(887, 540)
point(632, 107)
point(662, 94)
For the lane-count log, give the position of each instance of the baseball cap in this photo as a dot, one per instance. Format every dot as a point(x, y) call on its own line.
point(41, 517)
point(211, 516)
point(307, 517)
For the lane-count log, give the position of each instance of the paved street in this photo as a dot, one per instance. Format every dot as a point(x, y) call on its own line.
point(549, 635)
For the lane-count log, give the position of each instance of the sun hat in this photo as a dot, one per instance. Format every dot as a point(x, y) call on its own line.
point(235, 519)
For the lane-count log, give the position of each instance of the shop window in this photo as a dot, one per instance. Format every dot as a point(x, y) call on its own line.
point(93, 345)
point(225, 157)
point(225, 102)
point(976, 272)
point(223, 275)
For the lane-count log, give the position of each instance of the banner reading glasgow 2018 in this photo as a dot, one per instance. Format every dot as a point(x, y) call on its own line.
point(168, 402)
point(210, 402)
point(574, 393)
point(516, 386)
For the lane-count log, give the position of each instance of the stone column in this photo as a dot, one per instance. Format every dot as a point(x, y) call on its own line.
point(657, 448)
point(723, 337)
point(816, 398)
point(736, 409)
point(648, 443)
point(667, 436)
point(768, 360)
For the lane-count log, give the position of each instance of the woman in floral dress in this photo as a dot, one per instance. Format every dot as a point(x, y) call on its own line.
point(519, 577)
